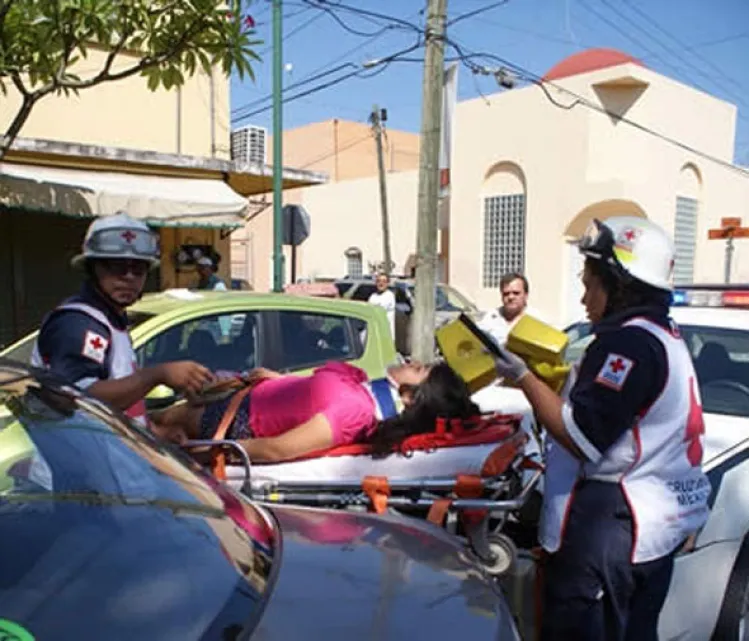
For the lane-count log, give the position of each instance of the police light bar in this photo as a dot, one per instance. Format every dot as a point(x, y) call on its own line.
point(737, 298)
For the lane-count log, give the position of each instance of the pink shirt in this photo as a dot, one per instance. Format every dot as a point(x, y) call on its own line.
point(334, 390)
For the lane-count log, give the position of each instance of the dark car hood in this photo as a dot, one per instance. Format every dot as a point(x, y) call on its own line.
point(346, 575)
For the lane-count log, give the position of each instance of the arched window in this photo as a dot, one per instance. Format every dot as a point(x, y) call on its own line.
point(353, 262)
point(686, 223)
point(504, 196)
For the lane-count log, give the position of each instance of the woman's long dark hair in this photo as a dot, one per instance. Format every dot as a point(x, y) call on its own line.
point(443, 394)
point(625, 292)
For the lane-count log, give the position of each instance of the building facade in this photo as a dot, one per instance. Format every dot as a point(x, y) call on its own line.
point(530, 169)
point(163, 156)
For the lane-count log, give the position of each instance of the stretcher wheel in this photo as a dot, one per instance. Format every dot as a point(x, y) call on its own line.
point(503, 555)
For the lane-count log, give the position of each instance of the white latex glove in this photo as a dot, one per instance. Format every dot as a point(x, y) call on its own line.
point(510, 366)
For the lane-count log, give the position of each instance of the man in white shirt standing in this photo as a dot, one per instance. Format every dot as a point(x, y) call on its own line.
point(514, 289)
point(385, 298)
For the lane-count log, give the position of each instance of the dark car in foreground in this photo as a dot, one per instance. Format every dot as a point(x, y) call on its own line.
point(107, 533)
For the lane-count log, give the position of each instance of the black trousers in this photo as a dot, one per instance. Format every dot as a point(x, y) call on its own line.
point(591, 590)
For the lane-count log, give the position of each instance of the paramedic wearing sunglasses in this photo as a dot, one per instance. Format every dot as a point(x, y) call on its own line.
point(86, 340)
point(623, 482)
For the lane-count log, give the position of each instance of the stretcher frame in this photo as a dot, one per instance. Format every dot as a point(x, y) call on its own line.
point(472, 507)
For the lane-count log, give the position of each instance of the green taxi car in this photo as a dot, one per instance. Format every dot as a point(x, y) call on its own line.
point(235, 331)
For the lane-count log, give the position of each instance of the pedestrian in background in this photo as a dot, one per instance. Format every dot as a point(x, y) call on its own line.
point(207, 278)
point(385, 298)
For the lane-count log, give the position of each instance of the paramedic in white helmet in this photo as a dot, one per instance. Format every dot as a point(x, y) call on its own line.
point(85, 339)
point(623, 483)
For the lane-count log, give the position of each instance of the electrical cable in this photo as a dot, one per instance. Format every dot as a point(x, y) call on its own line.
point(358, 72)
point(471, 14)
point(581, 100)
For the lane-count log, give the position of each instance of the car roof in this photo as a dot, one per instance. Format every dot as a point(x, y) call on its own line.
point(174, 299)
point(711, 317)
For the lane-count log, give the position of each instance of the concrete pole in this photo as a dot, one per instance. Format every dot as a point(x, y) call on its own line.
point(377, 129)
point(423, 321)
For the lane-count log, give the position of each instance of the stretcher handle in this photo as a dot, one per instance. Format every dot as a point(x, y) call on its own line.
point(224, 443)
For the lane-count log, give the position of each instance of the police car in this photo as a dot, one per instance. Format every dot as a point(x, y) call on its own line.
point(708, 596)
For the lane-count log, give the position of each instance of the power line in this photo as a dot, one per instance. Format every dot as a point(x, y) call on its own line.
point(343, 24)
point(677, 54)
point(297, 29)
point(237, 112)
point(471, 14)
point(685, 47)
point(639, 43)
point(581, 100)
point(357, 72)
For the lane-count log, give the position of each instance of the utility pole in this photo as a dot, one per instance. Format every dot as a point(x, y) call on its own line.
point(377, 117)
point(278, 255)
point(423, 323)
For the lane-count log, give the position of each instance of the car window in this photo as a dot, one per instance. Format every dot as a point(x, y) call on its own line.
point(310, 339)
point(448, 299)
point(107, 511)
point(228, 342)
point(720, 356)
point(363, 292)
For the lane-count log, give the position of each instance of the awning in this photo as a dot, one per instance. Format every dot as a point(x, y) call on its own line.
point(157, 200)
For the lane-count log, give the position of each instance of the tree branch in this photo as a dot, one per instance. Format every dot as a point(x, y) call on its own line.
point(6, 140)
point(16, 78)
point(150, 61)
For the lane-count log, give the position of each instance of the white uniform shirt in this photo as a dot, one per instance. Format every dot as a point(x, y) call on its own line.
point(386, 300)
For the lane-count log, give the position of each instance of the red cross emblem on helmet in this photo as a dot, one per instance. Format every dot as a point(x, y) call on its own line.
point(128, 235)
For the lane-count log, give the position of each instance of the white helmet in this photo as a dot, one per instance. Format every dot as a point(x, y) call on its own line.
point(119, 236)
point(635, 247)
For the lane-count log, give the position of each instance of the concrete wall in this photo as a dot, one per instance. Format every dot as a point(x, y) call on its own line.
point(345, 150)
point(126, 114)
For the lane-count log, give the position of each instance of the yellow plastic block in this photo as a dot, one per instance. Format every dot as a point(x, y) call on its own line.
point(464, 348)
point(537, 342)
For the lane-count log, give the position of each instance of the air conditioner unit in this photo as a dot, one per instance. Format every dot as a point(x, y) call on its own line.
point(249, 145)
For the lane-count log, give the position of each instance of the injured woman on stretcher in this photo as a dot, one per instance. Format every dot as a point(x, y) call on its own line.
point(283, 417)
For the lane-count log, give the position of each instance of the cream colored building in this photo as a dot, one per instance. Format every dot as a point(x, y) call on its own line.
point(527, 176)
point(163, 156)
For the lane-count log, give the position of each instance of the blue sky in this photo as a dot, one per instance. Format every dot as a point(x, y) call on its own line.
point(703, 43)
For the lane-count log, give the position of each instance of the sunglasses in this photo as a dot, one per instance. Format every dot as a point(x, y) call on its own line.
point(116, 267)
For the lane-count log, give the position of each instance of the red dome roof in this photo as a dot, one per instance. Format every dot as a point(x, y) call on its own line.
point(589, 60)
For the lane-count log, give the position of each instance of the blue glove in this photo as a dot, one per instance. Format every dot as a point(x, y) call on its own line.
point(510, 366)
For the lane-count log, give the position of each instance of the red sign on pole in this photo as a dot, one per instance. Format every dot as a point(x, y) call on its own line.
point(731, 227)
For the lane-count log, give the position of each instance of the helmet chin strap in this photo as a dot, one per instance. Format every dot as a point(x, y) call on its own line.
point(91, 274)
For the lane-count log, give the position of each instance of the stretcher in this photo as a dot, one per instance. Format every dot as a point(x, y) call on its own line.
point(466, 476)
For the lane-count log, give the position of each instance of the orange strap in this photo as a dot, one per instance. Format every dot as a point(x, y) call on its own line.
point(219, 462)
point(377, 490)
point(468, 486)
point(438, 510)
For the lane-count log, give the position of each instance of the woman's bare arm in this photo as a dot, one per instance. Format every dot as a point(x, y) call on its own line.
point(315, 434)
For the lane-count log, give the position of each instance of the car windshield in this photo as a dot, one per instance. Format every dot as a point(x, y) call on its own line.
point(720, 357)
point(448, 299)
point(97, 516)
